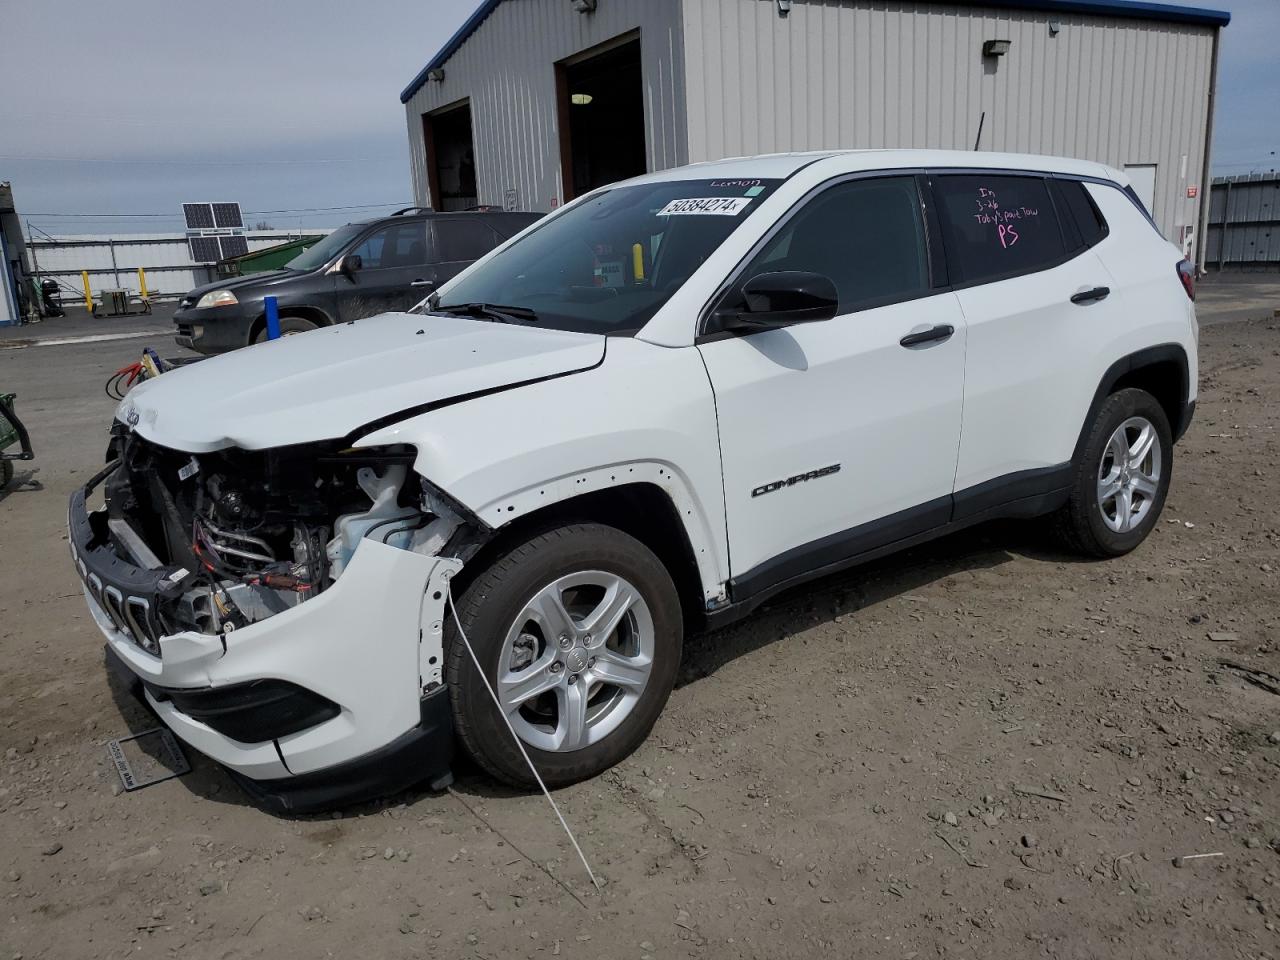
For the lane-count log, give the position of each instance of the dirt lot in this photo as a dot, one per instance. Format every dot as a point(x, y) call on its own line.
point(982, 748)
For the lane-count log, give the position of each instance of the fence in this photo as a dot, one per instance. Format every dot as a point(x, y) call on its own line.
point(112, 262)
point(1244, 223)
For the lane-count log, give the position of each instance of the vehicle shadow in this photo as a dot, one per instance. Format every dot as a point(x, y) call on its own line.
point(851, 591)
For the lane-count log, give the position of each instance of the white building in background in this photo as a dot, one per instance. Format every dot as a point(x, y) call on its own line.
point(112, 261)
point(533, 102)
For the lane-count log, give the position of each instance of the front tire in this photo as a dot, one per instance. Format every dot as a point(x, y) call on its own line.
point(1120, 483)
point(579, 631)
point(288, 327)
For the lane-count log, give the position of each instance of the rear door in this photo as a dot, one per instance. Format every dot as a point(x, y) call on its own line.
point(394, 272)
point(459, 242)
point(836, 437)
point(1038, 303)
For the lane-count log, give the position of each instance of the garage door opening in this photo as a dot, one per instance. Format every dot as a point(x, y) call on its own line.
point(601, 112)
point(451, 158)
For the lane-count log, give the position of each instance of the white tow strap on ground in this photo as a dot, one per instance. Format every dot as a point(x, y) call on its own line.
point(453, 609)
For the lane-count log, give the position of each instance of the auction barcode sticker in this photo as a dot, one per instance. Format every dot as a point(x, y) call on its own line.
point(703, 206)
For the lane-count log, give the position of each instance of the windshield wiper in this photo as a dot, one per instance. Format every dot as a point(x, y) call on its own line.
point(490, 311)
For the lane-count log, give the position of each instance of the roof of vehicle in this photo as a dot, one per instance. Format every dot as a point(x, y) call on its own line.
point(426, 213)
point(1136, 9)
point(782, 165)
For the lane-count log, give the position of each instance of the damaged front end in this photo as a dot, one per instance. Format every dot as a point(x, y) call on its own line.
point(281, 610)
point(234, 537)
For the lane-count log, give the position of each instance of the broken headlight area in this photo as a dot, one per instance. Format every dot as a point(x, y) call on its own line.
point(244, 535)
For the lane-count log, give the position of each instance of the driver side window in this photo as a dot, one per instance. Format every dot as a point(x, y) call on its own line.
point(866, 236)
point(399, 245)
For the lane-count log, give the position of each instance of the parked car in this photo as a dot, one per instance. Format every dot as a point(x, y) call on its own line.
point(357, 271)
point(659, 407)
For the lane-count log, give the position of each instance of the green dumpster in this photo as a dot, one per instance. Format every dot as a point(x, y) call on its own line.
point(268, 258)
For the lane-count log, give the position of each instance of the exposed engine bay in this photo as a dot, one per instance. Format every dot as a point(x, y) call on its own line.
point(249, 534)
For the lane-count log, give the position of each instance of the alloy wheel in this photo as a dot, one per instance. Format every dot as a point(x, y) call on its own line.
point(1129, 474)
point(575, 660)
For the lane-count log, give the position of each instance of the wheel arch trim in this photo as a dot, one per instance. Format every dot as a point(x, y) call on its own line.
point(1147, 357)
point(663, 476)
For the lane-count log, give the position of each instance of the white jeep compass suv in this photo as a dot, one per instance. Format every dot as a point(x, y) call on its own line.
point(645, 414)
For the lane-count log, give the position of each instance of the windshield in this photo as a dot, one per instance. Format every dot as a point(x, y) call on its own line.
point(326, 248)
point(611, 262)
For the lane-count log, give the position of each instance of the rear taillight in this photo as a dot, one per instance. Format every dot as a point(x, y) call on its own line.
point(1187, 274)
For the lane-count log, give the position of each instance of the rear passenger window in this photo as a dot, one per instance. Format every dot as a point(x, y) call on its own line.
point(1082, 224)
point(867, 236)
point(997, 226)
point(463, 239)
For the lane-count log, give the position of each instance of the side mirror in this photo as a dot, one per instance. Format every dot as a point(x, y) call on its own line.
point(782, 298)
point(350, 264)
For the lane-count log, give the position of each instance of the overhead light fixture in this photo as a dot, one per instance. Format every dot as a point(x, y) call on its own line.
point(585, 6)
point(784, 7)
point(996, 48)
point(579, 99)
point(437, 74)
point(1054, 28)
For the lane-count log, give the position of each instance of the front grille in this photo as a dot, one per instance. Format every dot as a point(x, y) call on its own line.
point(131, 615)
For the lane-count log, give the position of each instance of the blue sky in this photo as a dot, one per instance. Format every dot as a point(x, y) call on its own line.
point(134, 106)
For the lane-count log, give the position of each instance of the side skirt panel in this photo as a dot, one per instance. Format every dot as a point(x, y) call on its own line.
point(1026, 494)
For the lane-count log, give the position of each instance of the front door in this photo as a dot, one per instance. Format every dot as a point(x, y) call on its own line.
point(835, 436)
point(393, 275)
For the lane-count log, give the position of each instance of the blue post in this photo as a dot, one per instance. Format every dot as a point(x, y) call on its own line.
point(273, 318)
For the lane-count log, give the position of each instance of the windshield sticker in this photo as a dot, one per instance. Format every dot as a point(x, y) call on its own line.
point(705, 206)
point(610, 274)
point(754, 192)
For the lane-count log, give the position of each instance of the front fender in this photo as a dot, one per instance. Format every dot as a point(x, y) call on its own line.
point(645, 415)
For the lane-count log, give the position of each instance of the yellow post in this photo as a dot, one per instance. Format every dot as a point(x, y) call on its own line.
point(88, 297)
point(637, 262)
point(142, 283)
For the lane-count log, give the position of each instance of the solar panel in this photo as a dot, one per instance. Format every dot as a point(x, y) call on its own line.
point(234, 247)
point(199, 215)
point(204, 249)
point(227, 215)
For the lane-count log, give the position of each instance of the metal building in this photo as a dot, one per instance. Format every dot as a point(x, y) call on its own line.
point(533, 102)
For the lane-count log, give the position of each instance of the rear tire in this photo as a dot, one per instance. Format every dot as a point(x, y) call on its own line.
point(6, 473)
point(288, 327)
point(1120, 482)
point(529, 617)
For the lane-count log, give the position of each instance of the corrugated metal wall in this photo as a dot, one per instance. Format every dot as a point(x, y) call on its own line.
point(868, 73)
point(166, 257)
point(1244, 222)
point(507, 70)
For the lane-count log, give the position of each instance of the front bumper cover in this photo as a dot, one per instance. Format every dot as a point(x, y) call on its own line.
point(371, 644)
point(213, 330)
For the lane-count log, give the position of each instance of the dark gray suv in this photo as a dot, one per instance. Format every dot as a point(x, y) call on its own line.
point(357, 271)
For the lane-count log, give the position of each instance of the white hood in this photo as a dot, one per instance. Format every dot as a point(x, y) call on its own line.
point(330, 382)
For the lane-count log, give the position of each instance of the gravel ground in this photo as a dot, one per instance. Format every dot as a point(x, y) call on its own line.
point(982, 748)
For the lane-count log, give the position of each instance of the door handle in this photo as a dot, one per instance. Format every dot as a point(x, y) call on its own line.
point(423, 283)
point(942, 331)
point(1091, 296)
